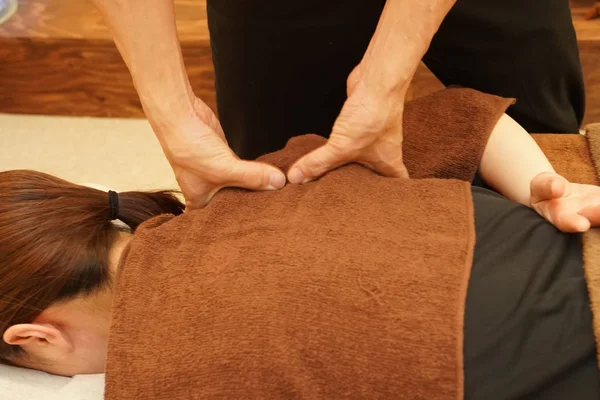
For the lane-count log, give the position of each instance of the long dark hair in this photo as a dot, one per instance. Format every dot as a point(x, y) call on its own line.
point(55, 239)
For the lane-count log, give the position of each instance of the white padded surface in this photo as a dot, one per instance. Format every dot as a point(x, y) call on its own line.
point(117, 153)
point(24, 384)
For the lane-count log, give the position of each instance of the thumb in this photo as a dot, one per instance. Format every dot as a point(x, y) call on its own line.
point(254, 175)
point(548, 186)
point(316, 164)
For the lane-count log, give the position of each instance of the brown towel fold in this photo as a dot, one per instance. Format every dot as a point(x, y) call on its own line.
point(591, 239)
point(352, 286)
point(577, 157)
point(569, 155)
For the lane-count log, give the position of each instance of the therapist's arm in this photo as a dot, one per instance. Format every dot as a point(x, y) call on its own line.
point(189, 132)
point(146, 36)
point(402, 37)
point(368, 129)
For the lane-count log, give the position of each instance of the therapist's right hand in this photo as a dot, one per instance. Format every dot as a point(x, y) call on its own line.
point(203, 163)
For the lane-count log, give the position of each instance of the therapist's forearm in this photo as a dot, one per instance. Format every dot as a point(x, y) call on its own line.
point(402, 37)
point(146, 35)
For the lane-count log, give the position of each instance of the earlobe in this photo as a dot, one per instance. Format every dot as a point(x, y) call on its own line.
point(39, 334)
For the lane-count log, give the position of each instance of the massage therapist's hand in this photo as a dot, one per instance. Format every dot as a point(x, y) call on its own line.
point(571, 207)
point(189, 132)
point(203, 163)
point(368, 130)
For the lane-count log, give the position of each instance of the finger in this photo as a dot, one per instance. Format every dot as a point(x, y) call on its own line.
point(583, 225)
point(572, 222)
point(548, 186)
point(592, 214)
point(254, 175)
point(316, 164)
point(558, 187)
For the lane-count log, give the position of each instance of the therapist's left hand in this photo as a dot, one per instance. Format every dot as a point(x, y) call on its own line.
point(367, 131)
point(571, 207)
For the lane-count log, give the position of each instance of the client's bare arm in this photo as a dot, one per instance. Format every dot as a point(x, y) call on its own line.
point(515, 166)
point(511, 160)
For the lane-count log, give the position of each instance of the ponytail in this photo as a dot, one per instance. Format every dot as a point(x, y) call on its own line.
point(138, 207)
point(55, 238)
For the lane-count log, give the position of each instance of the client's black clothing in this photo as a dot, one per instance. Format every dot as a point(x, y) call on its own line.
point(281, 66)
point(528, 322)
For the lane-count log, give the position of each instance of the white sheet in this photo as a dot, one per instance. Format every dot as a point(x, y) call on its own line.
point(24, 384)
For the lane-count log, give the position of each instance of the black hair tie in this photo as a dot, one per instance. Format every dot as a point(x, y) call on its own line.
point(113, 202)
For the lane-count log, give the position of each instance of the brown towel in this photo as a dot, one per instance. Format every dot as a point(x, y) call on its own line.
point(349, 287)
point(577, 157)
point(591, 239)
point(569, 155)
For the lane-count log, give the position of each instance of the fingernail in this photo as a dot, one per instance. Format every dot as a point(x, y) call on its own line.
point(296, 176)
point(276, 181)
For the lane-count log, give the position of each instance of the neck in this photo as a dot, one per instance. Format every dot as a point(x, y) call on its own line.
point(117, 251)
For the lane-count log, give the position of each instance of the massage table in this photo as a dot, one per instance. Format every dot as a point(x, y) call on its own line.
point(573, 155)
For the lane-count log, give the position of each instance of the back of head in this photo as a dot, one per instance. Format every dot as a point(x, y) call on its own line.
point(55, 239)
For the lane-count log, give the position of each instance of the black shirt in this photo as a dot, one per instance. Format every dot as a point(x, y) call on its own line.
point(528, 322)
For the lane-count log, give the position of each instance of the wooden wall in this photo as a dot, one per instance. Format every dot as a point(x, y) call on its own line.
point(57, 58)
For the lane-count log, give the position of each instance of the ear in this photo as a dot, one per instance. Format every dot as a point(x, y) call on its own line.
point(34, 338)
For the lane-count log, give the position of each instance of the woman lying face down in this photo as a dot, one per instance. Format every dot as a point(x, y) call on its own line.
point(59, 258)
point(59, 252)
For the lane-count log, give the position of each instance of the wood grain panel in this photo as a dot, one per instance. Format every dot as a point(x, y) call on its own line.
point(590, 60)
point(79, 19)
point(588, 38)
point(86, 78)
point(583, 10)
point(57, 57)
